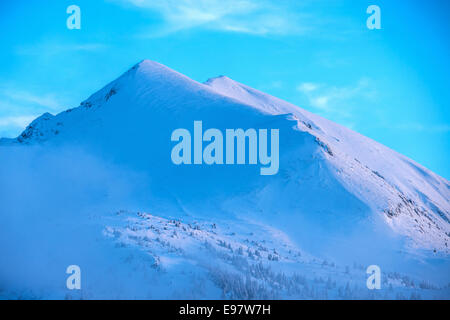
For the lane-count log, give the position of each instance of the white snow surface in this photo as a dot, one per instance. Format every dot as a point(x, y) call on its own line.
point(95, 186)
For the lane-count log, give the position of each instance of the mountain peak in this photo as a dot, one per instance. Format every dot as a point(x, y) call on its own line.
point(147, 64)
point(220, 78)
point(148, 67)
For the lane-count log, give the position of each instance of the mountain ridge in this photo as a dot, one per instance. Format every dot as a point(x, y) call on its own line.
point(404, 194)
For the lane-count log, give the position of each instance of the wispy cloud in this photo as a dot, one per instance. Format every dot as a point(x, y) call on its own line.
point(19, 107)
point(25, 98)
point(58, 48)
point(346, 104)
point(307, 87)
point(259, 17)
point(421, 127)
point(16, 121)
point(333, 100)
point(11, 126)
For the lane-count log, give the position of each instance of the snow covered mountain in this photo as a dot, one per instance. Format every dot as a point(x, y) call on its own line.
point(102, 171)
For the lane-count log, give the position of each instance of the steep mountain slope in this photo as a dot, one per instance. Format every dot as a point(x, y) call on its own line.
point(338, 195)
point(415, 201)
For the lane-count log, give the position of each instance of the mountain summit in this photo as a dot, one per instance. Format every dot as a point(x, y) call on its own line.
point(151, 99)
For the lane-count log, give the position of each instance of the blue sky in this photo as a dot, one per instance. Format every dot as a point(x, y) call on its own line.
point(391, 84)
